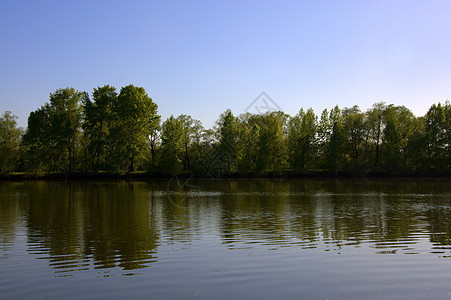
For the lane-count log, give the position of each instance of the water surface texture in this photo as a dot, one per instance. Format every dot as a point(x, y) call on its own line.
point(222, 239)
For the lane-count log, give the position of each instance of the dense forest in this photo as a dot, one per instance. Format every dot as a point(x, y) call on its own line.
point(111, 133)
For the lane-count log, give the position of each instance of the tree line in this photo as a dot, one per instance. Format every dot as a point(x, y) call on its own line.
point(123, 133)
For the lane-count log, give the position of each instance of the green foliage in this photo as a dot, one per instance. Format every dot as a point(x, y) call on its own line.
point(354, 131)
point(153, 143)
point(375, 127)
point(437, 137)
point(191, 136)
point(97, 120)
point(228, 135)
point(447, 129)
point(272, 150)
point(122, 133)
point(302, 141)
point(51, 137)
point(324, 132)
point(180, 145)
point(9, 142)
point(172, 146)
point(337, 141)
point(247, 146)
point(65, 118)
point(399, 127)
point(416, 147)
point(133, 117)
point(38, 152)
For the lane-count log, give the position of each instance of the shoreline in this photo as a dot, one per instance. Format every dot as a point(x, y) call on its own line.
point(147, 176)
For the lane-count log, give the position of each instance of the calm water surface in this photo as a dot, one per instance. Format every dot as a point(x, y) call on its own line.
point(222, 239)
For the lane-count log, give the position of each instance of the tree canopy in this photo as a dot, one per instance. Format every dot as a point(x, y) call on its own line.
point(122, 132)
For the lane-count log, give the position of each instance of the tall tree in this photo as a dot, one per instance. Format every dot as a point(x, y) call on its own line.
point(417, 147)
point(323, 139)
point(208, 163)
point(399, 126)
point(65, 120)
point(153, 143)
point(447, 126)
point(39, 155)
point(191, 129)
point(9, 142)
point(172, 146)
point(228, 140)
point(302, 131)
point(375, 125)
point(337, 140)
point(354, 130)
point(436, 136)
point(247, 146)
point(53, 130)
point(272, 150)
point(134, 116)
point(97, 120)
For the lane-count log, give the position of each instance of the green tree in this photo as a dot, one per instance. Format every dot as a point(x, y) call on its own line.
point(417, 147)
point(247, 146)
point(337, 141)
point(447, 126)
point(134, 117)
point(172, 146)
point(399, 127)
point(9, 142)
point(191, 135)
point(208, 162)
point(375, 125)
point(96, 125)
point(65, 120)
point(436, 136)
point(228, 141)
point(153, 143)
point(302, 131)
point(272, 148)
point(39, 155)
point(324, 133)
point(354, 131)
point(53, 132)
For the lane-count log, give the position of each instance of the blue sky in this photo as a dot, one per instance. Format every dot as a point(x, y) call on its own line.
point(202, 57)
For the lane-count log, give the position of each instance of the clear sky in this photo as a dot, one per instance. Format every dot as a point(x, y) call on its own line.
point(202, 57)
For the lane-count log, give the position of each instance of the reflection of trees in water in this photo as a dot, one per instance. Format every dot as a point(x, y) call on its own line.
point(10, 214)
point(111, 224)
point(439, 218)
point(253, 211)
point(186, 211)
point(119, 224)
point(343, 212)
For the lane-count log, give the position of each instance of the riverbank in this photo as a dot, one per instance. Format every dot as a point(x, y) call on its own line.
point(18, 176)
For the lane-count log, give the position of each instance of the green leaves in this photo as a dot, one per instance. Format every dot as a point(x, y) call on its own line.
point(52, 132)
point(122, 133)
point(9, 142)
point(172, 146)
point(115, 130)
point(134, 117)
point(437, 136)
point(302, 141)
point(98, 116)
point(228, 139)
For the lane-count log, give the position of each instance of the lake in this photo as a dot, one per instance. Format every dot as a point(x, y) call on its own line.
point(222, 239)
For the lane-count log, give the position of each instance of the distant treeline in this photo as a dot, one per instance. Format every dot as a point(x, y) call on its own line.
point(122, 133)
